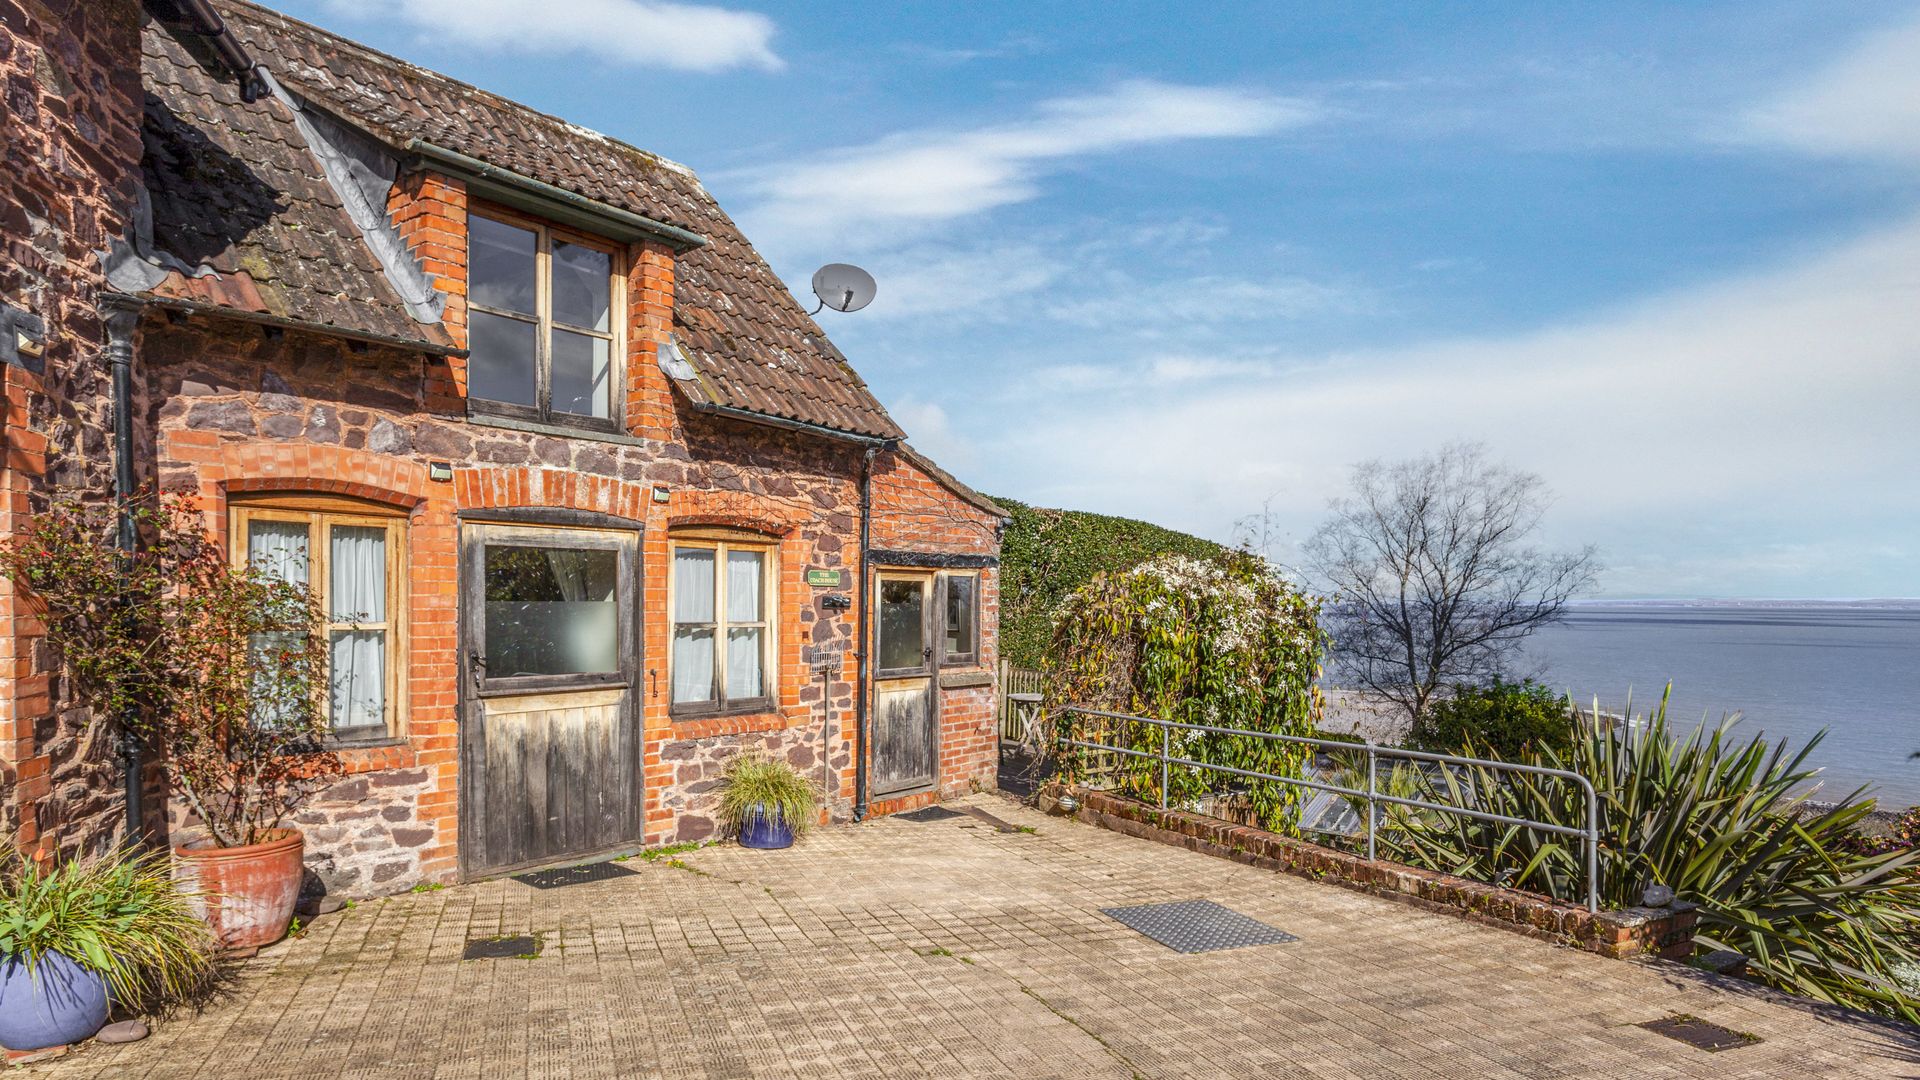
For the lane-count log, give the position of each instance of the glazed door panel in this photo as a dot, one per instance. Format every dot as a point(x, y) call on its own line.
point(906, 742)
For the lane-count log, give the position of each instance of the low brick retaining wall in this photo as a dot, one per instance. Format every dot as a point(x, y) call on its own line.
point(1659, 932)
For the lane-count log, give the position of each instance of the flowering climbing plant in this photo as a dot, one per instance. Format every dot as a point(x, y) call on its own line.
point(1225, 642)
point(221, 669)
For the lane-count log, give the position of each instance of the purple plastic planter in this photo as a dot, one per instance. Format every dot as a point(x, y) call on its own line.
point(58, 1002)
point(764, 830)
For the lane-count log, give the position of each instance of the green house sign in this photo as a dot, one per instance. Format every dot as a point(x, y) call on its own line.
point(824, 579)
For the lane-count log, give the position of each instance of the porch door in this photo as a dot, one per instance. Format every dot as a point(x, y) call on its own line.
point(906, 725)
point(550, 732)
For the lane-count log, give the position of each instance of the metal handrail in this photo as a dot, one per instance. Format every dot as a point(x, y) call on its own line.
point(1372, 794)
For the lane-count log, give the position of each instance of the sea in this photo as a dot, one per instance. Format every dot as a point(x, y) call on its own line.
point(1790, 669)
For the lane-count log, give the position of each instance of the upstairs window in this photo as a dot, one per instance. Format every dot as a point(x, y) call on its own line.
point(542, 322)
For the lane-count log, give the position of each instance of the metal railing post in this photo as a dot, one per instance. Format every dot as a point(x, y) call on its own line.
point(1593, 849)
point(1371, 791)
point(1166, 751)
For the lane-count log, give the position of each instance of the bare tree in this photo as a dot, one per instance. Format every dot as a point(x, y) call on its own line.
point(1432, 579)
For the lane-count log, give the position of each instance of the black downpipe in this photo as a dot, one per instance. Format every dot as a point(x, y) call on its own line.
point(121, 316)
point(860, 687)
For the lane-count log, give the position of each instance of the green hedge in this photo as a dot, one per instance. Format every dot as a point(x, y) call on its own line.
point(1047, 554)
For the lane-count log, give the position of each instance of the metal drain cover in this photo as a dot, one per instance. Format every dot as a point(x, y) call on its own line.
point(521, 947)
point(1195, 926)
point(1699, 1033)
point(574, 875)
point(931, 813)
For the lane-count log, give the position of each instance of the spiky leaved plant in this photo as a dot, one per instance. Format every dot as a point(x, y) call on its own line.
point(1726, 823)
point(120, 914)
point(756, 783)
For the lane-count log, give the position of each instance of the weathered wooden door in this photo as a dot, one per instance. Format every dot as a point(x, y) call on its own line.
point(906, 741)
point(550, 732)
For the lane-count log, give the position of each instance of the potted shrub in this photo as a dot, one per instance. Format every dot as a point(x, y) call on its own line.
point(83, 933)
point(219, 668)
point(766, 802)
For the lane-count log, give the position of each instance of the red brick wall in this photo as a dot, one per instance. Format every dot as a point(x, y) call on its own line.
point(914, 511)
point(70, 104)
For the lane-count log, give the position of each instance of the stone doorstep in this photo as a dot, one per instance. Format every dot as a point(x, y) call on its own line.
point(1666, 933)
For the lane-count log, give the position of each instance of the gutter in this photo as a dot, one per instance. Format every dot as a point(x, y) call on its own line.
point(195, 307)
point(731, 413)
point(473, 169)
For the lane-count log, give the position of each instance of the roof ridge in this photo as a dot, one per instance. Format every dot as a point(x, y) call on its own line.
point(292, 24)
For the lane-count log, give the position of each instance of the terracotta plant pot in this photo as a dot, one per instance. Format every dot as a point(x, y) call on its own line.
point(248, 893)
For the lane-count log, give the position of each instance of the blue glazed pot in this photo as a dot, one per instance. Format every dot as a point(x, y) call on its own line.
point(764, 830)
point(58, 1002)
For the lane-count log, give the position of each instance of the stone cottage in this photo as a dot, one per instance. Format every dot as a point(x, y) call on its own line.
point(592, 503)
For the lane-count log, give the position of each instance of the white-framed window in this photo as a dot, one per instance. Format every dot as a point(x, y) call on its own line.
point(721, 598)
point(544, 312)
point(353, 557)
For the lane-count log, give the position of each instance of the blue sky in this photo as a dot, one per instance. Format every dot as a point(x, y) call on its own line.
point(1181, 262)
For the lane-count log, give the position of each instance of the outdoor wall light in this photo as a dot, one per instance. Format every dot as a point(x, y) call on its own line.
point(440, 471)
point(836, 601)
point(662, 493)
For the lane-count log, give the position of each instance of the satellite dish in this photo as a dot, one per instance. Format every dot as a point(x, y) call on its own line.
point(843, 287)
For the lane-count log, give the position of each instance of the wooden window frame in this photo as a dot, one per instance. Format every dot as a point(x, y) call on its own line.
point(720, 542)
point(930, 599)
point(542, 412)
point(971, 656)
point(319, 513)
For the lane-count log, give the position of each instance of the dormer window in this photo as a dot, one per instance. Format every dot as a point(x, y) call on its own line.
point(543, 322)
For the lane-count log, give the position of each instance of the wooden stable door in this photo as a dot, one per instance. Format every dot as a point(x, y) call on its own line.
point(550, 732)
point(906, 723)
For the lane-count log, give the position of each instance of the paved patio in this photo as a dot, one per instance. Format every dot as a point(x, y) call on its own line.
point(947, 948)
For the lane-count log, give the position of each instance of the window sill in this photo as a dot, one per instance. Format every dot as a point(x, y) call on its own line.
point(719, 724)
point(959, 680)
point(564, 431)
point(373, 755)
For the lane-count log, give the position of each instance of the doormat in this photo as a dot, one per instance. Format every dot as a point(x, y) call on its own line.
point(574, 875)
point(930, 813)
point(1699, 1033)
point(1196, 926)
point(519, 947)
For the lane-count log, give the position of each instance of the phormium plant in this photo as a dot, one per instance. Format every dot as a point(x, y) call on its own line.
point(1224, 642)
point(220, 668)
point(1726, 823)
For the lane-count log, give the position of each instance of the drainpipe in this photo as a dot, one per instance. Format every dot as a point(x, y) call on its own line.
point(121, 315)
point(861, 689)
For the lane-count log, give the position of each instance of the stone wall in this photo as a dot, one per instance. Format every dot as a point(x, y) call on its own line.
point(69, 113)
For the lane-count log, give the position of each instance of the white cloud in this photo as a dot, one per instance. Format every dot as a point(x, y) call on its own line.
point(1775, 408)
point(685, 37)
point(1210, 300)
point(1865, 103)
point(925, 177)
